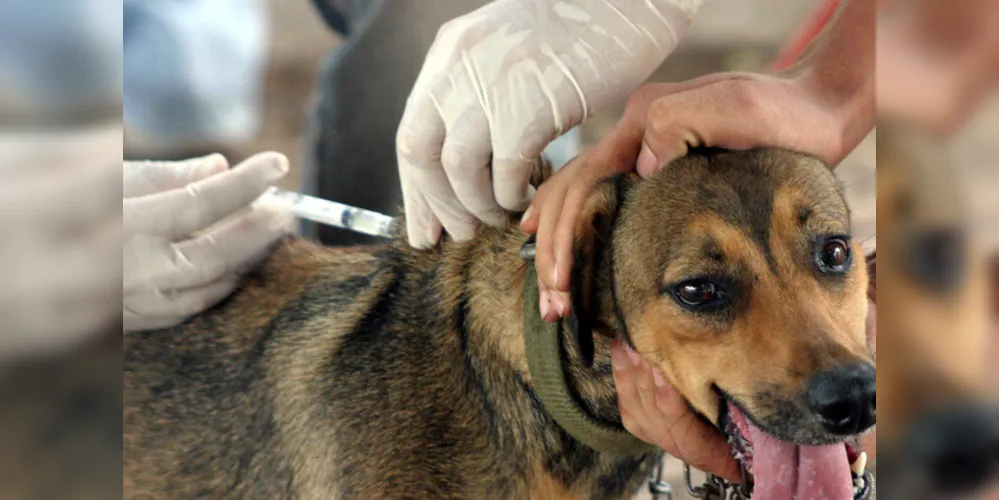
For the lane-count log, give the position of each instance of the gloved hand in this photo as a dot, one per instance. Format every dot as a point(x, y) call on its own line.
point(500, 83)
point(60, 243)
point(174, 264)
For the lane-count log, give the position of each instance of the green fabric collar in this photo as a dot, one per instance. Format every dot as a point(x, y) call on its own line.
point(542, 342)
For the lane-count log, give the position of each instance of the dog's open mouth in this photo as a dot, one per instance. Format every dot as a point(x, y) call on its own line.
point(782, 470)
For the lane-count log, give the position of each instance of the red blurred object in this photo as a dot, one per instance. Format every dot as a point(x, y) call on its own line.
point(812, 27)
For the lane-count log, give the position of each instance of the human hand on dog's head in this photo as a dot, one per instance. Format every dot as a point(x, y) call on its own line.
point(558, 203)
point(660, 122)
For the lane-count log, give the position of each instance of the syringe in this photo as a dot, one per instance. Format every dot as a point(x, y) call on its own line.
point(331, 213)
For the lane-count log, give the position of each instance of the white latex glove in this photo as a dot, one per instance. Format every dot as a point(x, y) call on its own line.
point(503, 81)
point(174, 265)
point(60, 240)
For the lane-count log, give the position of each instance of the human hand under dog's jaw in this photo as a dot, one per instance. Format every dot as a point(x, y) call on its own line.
point(190, 229)
point(654, 412)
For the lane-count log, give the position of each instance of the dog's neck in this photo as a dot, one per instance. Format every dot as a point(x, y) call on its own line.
point(492, 276)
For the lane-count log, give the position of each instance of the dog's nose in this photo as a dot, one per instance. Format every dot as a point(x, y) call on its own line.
point(843, 399)
point(958, 449)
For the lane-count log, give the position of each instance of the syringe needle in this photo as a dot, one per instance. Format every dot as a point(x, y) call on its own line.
point(331, 213)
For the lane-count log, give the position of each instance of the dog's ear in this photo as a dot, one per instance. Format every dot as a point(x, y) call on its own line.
point(591, 257)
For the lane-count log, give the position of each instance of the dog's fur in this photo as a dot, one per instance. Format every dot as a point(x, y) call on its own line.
point(387, 372)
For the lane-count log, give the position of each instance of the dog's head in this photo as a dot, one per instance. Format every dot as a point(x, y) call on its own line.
point(735, 273)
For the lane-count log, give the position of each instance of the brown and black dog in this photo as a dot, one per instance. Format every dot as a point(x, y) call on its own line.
point(388, 372)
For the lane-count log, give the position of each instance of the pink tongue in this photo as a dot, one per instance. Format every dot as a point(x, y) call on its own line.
point(786, 471)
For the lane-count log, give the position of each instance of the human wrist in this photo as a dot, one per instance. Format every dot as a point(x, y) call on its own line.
point(848, 103)
point(838, 74)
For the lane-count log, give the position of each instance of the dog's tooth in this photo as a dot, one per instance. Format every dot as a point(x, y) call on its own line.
point(860, 465)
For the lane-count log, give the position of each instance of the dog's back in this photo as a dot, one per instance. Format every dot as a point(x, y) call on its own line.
point(203, 409)
point(342, 373)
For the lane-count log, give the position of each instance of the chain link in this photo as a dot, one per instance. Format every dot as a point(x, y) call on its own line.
point(716, 488)
point(660, 489)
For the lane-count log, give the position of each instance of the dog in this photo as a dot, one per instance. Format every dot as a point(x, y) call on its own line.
point(390, 372)
point(942, 430)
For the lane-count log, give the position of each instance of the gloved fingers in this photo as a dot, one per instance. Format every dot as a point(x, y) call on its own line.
point(418, 145)
point(154, 309)
point(512, 183)
point(466, 156)
point(457, 220)
point(232, 247)
point(513, 163)
point(141, 178)
point(180, 212)
point(423, 228)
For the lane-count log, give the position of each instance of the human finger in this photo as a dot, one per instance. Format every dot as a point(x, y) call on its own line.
point(180, 212)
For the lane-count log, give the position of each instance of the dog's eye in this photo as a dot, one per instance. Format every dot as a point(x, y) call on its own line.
point(700, 293)
point(833, 255)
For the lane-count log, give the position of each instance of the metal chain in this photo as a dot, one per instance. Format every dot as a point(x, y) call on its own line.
point(716, 488)
point(863, 487)
point(660, 489)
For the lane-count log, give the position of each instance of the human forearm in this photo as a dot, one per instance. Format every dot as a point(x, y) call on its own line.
point(839, 70)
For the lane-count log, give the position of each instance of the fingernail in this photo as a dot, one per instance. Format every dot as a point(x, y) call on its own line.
point(690, 141)
point(619, 360)
point(635, 358)
point(216, 162)
point(559, 304)
point(657, 378)
point(647, 162)
point(563, 299)
point(279, 164)
point(544, 304)
point(527, 215)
